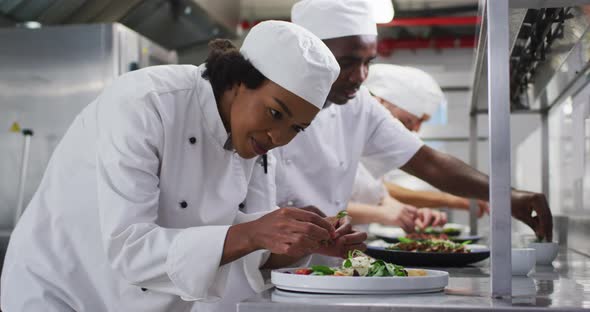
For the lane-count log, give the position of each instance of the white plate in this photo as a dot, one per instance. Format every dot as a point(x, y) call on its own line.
point(477, 247)
point(434, 281)
point(383, 230)
point(461, 227)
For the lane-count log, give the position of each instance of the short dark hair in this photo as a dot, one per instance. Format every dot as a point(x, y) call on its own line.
point(226, 67)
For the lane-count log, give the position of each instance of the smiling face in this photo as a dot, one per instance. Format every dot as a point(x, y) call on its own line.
point(267, 117)
point(354, 54)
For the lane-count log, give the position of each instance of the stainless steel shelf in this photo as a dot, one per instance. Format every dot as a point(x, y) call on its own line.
point(550, 288)
point(566, 62)
point(500, 22)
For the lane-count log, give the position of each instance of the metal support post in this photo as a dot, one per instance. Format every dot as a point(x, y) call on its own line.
point(499, 129)
point(545, 153)
point(473, 207)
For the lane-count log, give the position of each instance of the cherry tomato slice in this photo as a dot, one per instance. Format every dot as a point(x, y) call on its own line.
point(303, 271)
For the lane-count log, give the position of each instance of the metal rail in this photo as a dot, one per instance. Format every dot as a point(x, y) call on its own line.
point(491, 78)
point(499, 129)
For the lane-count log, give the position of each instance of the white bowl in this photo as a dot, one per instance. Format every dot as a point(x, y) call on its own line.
point(523, 260)
point(546, 252)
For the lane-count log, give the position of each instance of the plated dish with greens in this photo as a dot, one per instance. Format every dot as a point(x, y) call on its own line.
point(360, 264)
point(360, 274)
point(434, 253)
point(447, 231)
point(430, 245)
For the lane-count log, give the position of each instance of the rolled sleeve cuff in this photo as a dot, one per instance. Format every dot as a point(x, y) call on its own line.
point(193, 262)
point(259, 279)
point(252, 263)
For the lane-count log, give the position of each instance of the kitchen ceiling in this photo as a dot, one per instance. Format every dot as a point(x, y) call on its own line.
point(265, 9)
point(428, 23)
point(182, 24)
point(174, 24)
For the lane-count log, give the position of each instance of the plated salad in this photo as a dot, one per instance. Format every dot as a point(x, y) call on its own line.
point(359, 264)
point(430, 245)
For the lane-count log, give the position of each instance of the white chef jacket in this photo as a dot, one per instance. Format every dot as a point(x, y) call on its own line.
point(133, 210)
point(319, 166)
point(367, 189)
point(260, 198)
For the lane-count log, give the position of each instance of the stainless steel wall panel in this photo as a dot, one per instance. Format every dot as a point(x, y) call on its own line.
point(48, 75)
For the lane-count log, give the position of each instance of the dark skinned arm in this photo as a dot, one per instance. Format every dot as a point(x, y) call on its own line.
point(287, 246)
point(345, 240)
point(450, 174)
point(238, 243)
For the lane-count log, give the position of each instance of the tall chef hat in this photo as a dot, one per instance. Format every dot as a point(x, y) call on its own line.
point(335, 18)
point(409, 88)
point(293, 58)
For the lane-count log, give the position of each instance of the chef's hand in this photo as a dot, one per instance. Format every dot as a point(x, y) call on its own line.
point(533, 210)
point(344, 239)
point(315, 210)
point(343, 225)
point(427, 217)
point(291, 231)
point(484, 208)
point(343, 244)
point(399, 214)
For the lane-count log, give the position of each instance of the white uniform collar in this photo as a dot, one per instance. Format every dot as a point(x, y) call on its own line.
point(211, 113)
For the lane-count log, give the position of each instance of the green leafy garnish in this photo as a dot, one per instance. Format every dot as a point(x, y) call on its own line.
point(396, 270)
point(377, 269)
point(322, 270)
point(341, 214)
point(451, 230)
point(359, 264)
point(467, 242)
point(430, 246)
point(347, 263)
point(405, 240)
point(382, 268)
point(430, 230)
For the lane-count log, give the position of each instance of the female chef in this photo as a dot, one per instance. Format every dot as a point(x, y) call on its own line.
point(138, 208)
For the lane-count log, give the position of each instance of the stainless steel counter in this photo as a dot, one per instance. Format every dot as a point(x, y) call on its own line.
point(565, 286)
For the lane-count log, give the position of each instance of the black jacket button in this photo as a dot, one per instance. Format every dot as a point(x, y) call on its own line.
point(192, 140)
point(183, 204)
